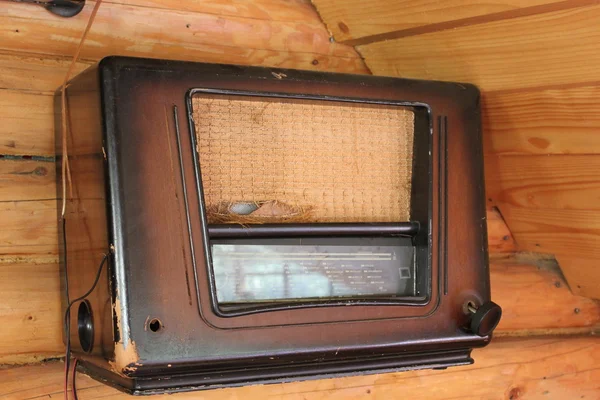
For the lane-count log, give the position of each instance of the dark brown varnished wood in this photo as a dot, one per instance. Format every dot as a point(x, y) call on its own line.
point(150, 214)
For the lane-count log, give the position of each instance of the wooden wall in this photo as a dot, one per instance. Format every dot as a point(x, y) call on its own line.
point(544, 369)
point(537, 63)
point(35, 48)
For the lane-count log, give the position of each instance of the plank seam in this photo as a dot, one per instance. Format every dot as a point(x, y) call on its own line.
point(332, 37)
point(27, 157)
point(560, 86)
point(357, 56)
point(477, 20)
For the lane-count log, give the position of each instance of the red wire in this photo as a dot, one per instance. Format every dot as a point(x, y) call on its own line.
point(73, 386)
point(65, 389)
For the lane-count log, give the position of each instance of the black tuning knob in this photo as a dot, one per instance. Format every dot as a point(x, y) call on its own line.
point(64, 8)
point(484, 318)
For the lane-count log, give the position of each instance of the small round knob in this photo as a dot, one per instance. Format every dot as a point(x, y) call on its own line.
point(485, 318)
point(64, 8)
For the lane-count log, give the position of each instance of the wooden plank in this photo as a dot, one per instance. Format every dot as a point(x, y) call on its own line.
point(500, 239)
point(535, 300)
point(555, 48)
point(27, 180)
point(186, 26)
point(39, 74)
point(583, 275)
point(542, 121)
point(350, 20)
point(567, 233)
point(30, 312)
point(27, 123)
point(29, 229)
point(546, 182)
point(512, 369)
point(267, 10)
point(124, 30)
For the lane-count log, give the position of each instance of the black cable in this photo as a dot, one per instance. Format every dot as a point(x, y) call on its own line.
point(67, 319)
point(68, 313)
point(68, 322)
point(91, 289)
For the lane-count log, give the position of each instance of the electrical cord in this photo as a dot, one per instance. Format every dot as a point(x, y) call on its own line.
point(73, 387)
point(68, 325)
point(67, 318)
point(66, 171)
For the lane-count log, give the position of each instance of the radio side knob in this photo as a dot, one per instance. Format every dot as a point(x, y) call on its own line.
point(485, 318)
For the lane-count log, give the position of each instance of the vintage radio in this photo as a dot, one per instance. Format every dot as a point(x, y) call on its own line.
point(268, 225)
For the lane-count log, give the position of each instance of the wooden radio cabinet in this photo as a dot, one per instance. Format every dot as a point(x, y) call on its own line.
point(267, 225)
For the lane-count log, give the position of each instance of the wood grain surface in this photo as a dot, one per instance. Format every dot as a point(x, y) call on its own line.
point(500, 239)
point(351, 20)
point(551, 120)
point(563, 232)
point(122, 29)
point(555, 48)
point(550, 182)
point(30, 311)
point(26, 120)
point(28, 72)
point(583, 273)
point(29, 229)
point(27, 179)
point(268, 10)
point(544, 369)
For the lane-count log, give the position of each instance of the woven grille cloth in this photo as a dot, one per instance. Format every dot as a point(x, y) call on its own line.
point(346, 162)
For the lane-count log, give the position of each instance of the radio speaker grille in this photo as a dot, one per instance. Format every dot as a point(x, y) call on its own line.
point(287, 160)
